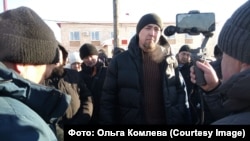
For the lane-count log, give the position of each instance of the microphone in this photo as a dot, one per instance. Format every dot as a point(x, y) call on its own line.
point(170, 30)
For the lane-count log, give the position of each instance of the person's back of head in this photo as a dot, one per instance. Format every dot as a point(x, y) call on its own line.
point(234, 36)
point(28, 52)
point(234, 41)
point(26, 39)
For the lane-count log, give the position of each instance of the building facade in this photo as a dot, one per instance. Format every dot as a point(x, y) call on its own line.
point(100, 34)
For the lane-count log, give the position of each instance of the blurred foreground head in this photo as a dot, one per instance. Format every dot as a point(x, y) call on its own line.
point(25, 38)
point(27, 44)
point(234, 38)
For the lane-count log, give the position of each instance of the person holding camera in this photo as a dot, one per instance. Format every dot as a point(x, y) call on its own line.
point(229, 99)
point(143, 84)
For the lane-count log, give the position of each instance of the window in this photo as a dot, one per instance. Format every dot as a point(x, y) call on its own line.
point(75, 36)
point(95, 36)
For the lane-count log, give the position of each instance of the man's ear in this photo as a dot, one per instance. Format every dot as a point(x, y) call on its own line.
point(18, 68)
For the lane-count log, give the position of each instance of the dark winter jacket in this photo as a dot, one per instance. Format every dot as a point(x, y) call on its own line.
point(94, 84)
point(185, 71)
point(27, 109)
point(231, 101)
point(200, 114)
point(122, 97)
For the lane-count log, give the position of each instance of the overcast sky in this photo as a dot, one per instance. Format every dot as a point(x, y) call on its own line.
point(102, 10)
point(129, 10)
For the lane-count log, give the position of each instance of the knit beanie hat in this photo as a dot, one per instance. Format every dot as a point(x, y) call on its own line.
point(234, 38)
point(185, 48)
point(87, 49)
point(150, 18)
point(75, 57)
point(26, 38)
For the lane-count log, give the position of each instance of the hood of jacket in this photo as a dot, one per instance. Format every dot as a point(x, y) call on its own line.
point(48, 102)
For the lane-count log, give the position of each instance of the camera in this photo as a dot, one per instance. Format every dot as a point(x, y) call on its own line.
point(192, 23)
point(195, 22)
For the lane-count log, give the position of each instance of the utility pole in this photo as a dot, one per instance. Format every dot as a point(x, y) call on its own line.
point(116, 23)
point(5, 5)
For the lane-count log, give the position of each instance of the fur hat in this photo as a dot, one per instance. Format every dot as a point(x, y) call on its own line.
point(87, 49)
point(150, 18)
point(234, 38)
point(185, 48)
point(26, 38)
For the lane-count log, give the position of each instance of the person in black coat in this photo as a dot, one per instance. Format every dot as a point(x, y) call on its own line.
point(93, 73)
point(143, 84)
point(184, 64)
point(199, 112)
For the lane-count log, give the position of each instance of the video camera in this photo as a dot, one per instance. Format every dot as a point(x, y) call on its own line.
point(194, 23)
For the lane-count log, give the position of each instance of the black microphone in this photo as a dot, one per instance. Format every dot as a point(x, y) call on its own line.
point(170, 30)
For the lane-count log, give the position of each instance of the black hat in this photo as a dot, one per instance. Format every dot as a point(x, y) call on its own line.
point(26, 38)
point(185, 48)
point(234, 38)
point(150, 18)
point(87, 49)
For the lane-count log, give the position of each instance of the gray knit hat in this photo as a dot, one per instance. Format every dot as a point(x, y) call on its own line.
point(234, 38)
point(150, 18)
point(26, 38)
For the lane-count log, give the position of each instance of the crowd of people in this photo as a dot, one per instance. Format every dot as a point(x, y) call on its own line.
point(144, 85)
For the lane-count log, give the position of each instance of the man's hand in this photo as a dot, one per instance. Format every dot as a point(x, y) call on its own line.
point(209, 74)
